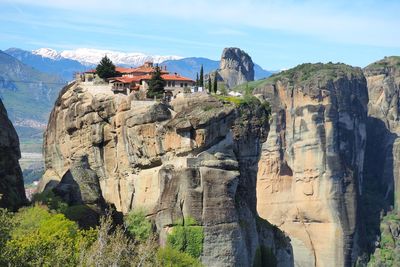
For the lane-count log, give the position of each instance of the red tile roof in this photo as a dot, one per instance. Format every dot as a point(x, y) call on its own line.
point(175, 77)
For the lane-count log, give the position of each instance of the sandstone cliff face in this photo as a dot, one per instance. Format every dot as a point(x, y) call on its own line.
point(382, 174)
point(383, 79)
point(236, 67)
point(311, 167)
point(196, 158)
point(12, 192)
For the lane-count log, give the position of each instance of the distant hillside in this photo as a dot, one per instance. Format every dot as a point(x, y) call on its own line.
point(62, 67)
point(66, 63)
point(191, 65)
point(27, 94)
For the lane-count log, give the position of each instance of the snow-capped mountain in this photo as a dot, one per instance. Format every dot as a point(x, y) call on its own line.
point(47, 53)
point(90, 57)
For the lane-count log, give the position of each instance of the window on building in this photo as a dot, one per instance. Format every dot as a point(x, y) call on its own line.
point(173, 83)
point(185, 84)
point(181, 84)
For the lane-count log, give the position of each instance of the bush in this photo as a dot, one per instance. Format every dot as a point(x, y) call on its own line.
point(187, 238)
point(171, 257)
point(41, 238)
point(137, 225)
point(114, 248)
point(52, 201)
point(6, 225)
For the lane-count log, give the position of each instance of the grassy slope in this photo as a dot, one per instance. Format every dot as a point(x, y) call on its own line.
point(302, 74)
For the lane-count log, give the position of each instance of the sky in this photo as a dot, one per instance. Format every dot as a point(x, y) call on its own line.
point(276, 34)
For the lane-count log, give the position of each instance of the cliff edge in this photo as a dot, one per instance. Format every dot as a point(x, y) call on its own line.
point(311, 168)
point(195, 158)
point(12, 192)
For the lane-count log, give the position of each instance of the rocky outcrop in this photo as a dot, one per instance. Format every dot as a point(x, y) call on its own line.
point(311, 167)
point(236, 67)
point(194, 158)
point(12, 192)
point(382, 169)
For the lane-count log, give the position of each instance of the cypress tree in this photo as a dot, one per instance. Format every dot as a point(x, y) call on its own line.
point(201, 79)
point(215, 83)
point(197, 79)
point(106, 69)
point(156, 84)
point(209, 85)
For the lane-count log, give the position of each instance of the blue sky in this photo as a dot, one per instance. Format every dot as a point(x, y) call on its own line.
point(277, 34)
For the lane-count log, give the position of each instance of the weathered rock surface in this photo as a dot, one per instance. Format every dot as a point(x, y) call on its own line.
point(236, 67)
point(383, 79)
point(382, 174)
point(12, 192)
point(80, 185)
point(196, 158)
point(311, 167)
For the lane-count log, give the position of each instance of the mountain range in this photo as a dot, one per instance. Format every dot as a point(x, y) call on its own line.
point(65, 63)
point(28, 94)
point(31, 80)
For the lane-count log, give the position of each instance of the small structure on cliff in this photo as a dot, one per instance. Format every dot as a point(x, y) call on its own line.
point(137, 79)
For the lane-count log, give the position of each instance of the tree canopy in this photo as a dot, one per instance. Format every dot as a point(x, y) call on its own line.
point(106, 69)
point(156, 84)
point(201, 78)
point(215, 85)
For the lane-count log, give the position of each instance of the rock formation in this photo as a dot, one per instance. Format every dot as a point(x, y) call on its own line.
point(311, 167)
point(12, 192)
point(382, 174)
point(236, 67)
point(194, 158)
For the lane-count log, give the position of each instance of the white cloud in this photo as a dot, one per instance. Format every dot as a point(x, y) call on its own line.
point(355, 22)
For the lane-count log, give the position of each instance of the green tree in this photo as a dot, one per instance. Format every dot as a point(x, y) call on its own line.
point(114, 248)
point(209, 85)
point(187, 238)
point(201, 78)
point(6, 225)
point(41, 238)
point(106, 69)
point(197, 79)
point(137, 224)
point(171, 257)
point(156, 84)
point(215, 85)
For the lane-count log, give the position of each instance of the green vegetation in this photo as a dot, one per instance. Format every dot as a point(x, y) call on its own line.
point(201, 78)
point(171, 257)
point(106, 69)
point(393, 61)
point(156, 84)
point(52, 201)
point(388, 252)
point(215, 84)
point(137, 225)
point(44, 235)
point(209, 85)
point(187, 237)
point(304, 73)
point(246, 101)
point(249, 86)
point(42, 238)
